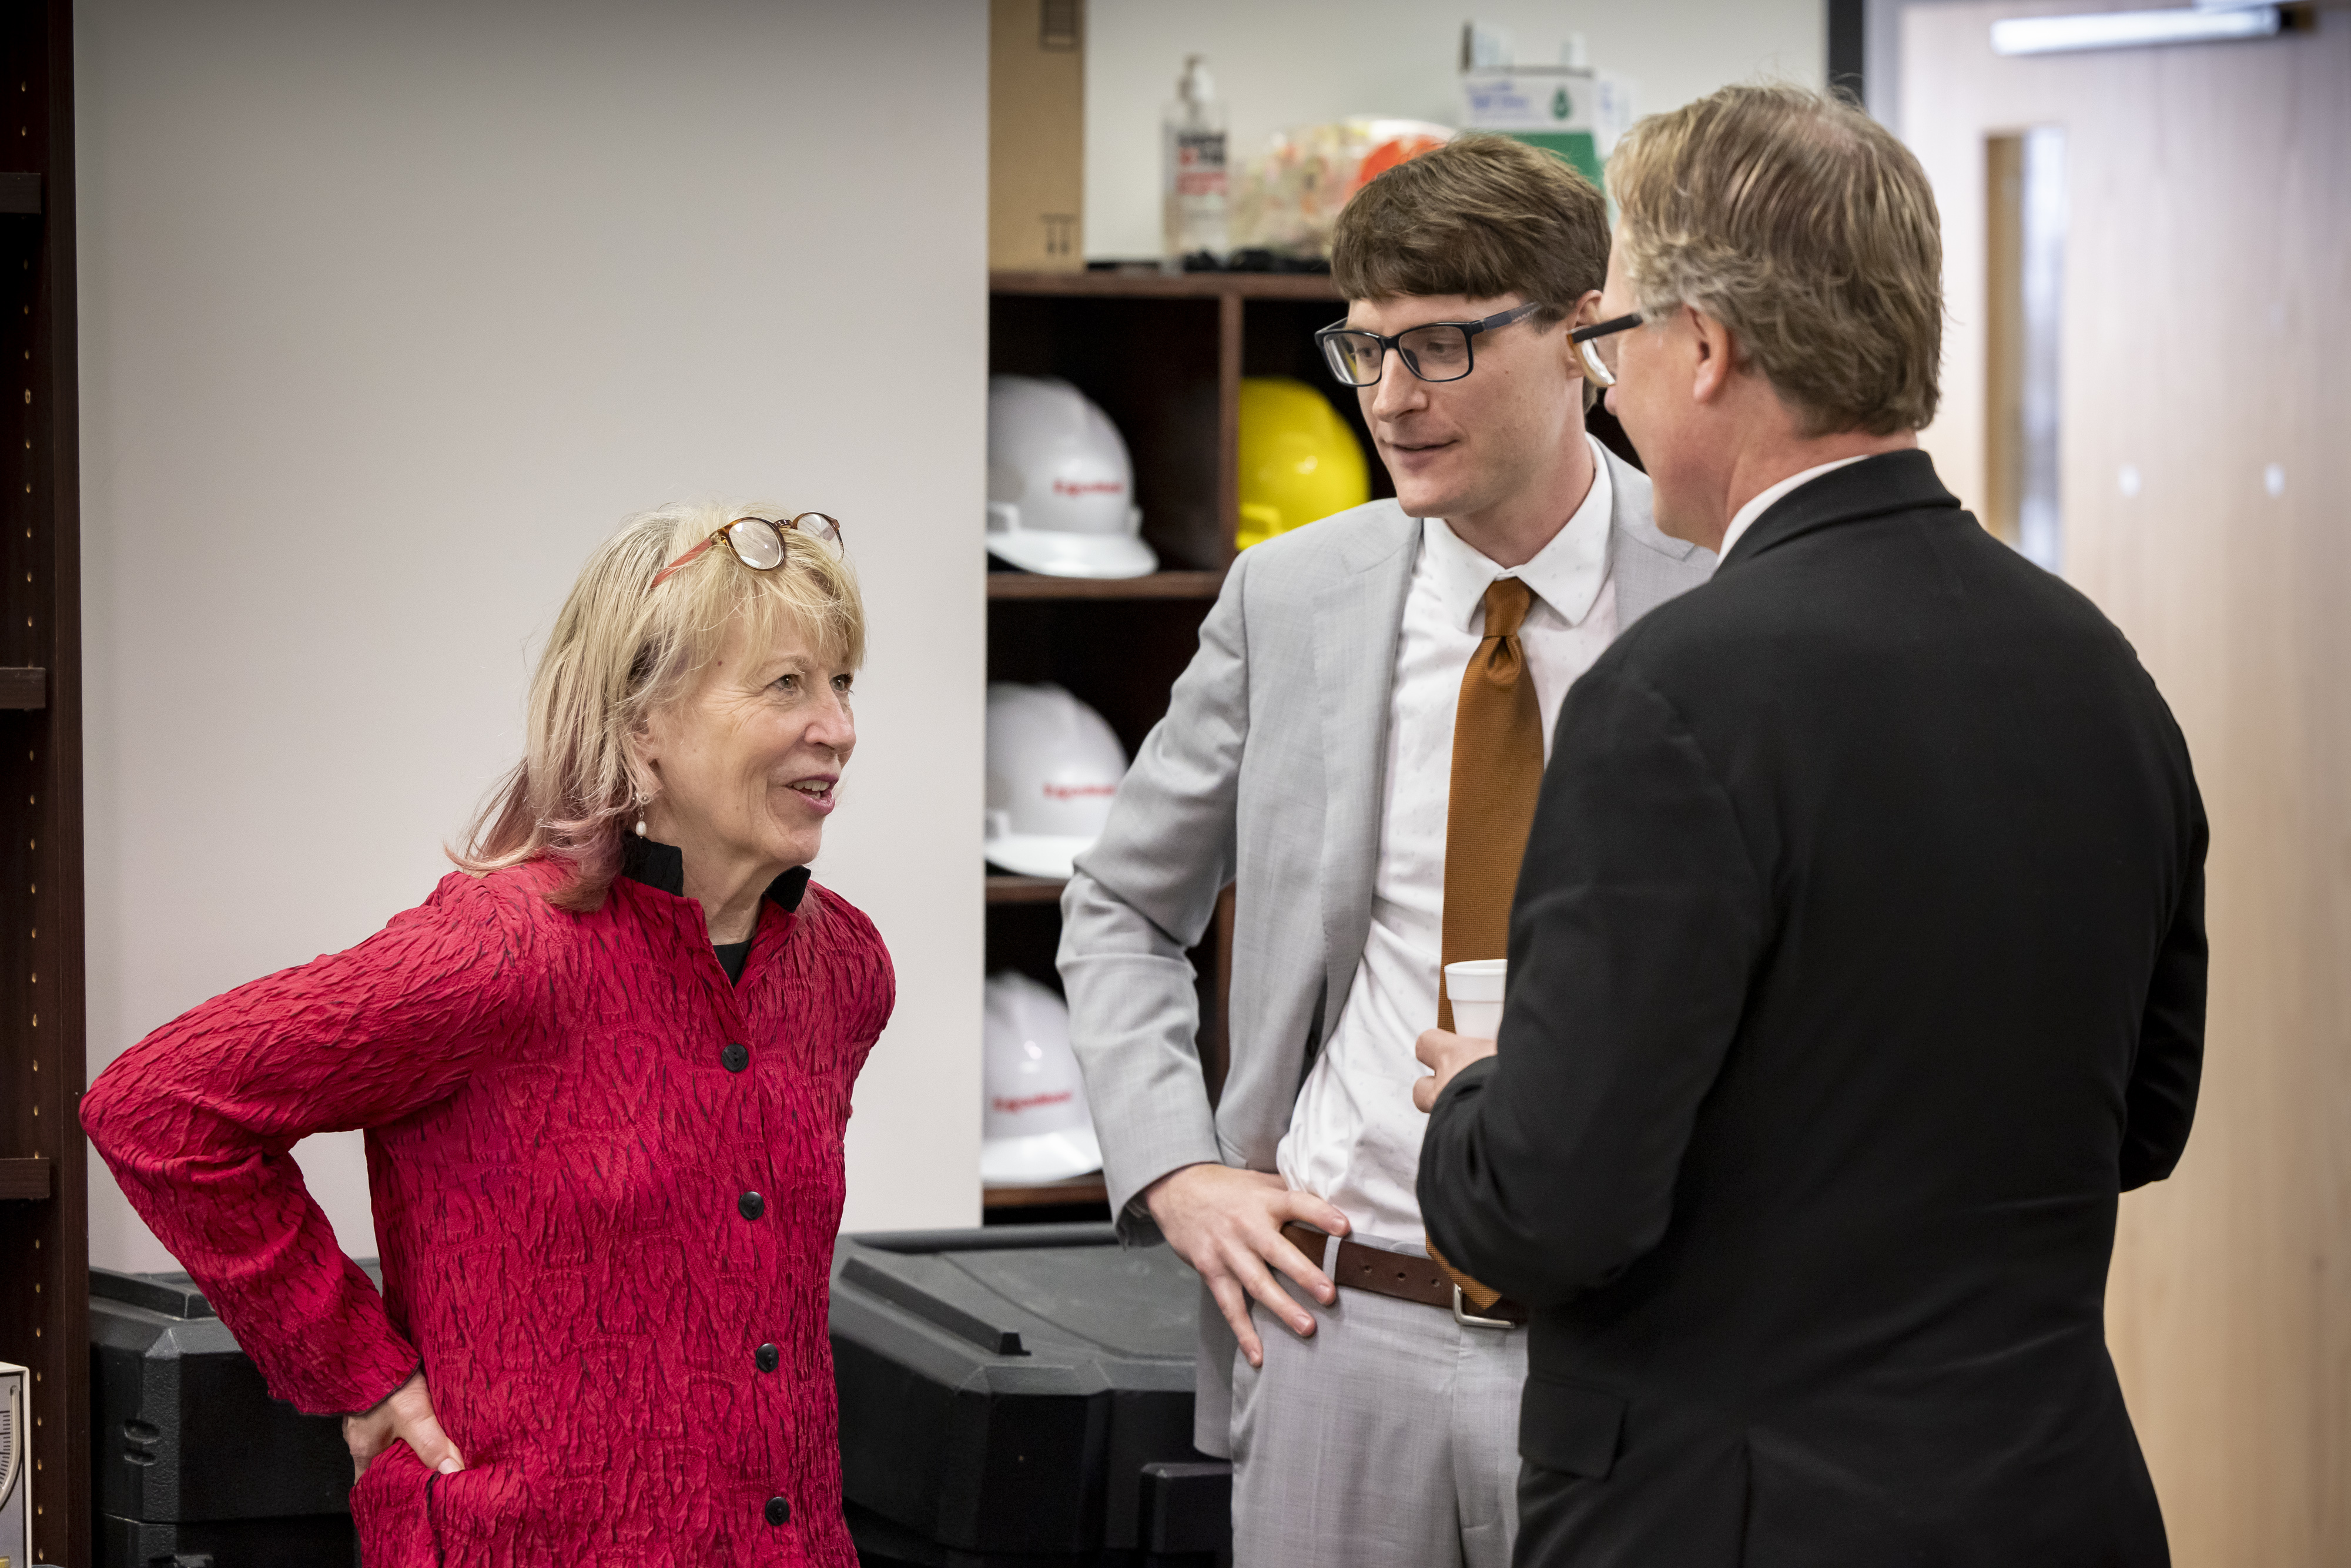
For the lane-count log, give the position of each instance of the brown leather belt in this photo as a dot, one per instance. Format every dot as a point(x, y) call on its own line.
point(1401, 1275)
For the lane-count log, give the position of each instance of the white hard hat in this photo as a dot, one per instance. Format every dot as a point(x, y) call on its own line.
point(1053, 766)
point(1035, 1126)
point(1060, 491)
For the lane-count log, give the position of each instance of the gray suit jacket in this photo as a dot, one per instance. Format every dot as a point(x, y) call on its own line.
point(1267, 773)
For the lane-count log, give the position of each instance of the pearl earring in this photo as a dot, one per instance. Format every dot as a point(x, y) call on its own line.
point(640, 827)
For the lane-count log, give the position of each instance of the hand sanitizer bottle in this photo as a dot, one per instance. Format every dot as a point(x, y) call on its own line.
point(1193, 159)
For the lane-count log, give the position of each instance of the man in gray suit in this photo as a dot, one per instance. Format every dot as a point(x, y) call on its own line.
point(1356, 745)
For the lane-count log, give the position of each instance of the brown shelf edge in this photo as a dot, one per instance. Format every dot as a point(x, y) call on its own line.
point(1158, 585)
point(1077, 1189)
point(23, 686)
point(32, 1177)
point(1007, 888)
point(1168, 286)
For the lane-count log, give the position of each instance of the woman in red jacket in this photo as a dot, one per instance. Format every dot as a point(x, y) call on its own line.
point(604, 1073)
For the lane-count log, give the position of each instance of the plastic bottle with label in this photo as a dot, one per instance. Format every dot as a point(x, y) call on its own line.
point(1194, 182)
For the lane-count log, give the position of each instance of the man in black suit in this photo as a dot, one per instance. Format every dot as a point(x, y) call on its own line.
point(1857, 959)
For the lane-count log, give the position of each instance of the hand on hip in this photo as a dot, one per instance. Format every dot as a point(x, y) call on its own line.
point(405, 1415)
point(1227, 1224)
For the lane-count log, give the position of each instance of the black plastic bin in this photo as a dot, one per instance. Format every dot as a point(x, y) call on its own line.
point(191, 1459)
point(1020, 1396)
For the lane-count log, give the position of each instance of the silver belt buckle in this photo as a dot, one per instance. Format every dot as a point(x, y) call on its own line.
point(1470, 1319)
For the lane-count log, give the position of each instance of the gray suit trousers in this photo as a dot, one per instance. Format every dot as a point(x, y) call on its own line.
point(1389, 1438)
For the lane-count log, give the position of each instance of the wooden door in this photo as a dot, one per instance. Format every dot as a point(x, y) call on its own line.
point(2204, 479)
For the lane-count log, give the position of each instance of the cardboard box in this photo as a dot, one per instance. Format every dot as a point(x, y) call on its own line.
point(1036, 135)
point(1572, 111)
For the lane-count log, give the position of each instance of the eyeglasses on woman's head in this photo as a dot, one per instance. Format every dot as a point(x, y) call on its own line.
point(758, 542)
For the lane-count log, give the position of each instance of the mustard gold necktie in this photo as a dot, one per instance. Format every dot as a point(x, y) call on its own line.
point(1497, 764)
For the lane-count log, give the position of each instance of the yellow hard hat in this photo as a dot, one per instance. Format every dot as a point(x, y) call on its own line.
point(1299, 460)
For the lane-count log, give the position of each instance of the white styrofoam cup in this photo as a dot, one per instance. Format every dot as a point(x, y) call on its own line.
point(1475, 986)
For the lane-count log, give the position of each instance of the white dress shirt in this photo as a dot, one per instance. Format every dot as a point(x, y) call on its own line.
point(1355, 1137)
point(1745, 516)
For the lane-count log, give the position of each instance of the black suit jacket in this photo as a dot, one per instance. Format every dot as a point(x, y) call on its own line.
point(1857, 964)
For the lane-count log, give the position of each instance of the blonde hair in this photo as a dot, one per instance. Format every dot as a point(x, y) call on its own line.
point(1810, 231)
point(622, 650)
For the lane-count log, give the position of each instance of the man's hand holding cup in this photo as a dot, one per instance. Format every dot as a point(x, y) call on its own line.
point(1475, 989)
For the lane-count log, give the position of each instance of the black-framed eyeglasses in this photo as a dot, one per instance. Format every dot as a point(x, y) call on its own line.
point(1435, 351)
point(1596, 347)
point(758, 542)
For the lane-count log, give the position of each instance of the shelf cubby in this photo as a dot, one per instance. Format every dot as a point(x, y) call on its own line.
point(1164, 355)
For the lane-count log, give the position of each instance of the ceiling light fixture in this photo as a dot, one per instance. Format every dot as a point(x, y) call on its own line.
point(2207, 21)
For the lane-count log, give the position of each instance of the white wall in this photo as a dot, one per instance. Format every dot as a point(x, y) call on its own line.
point(391, 311)
point(1290, 62)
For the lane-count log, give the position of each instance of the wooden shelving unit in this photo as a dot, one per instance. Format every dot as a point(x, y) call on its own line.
point(1165, 357)
point(1138, 283)
point(1085, 1190)
point(1158, 585)
point(28, 1176)
point(1004, 889)
point(44, 1223)
point(23, 687)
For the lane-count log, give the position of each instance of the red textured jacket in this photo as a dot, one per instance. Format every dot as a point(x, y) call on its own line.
point(606, 1183)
